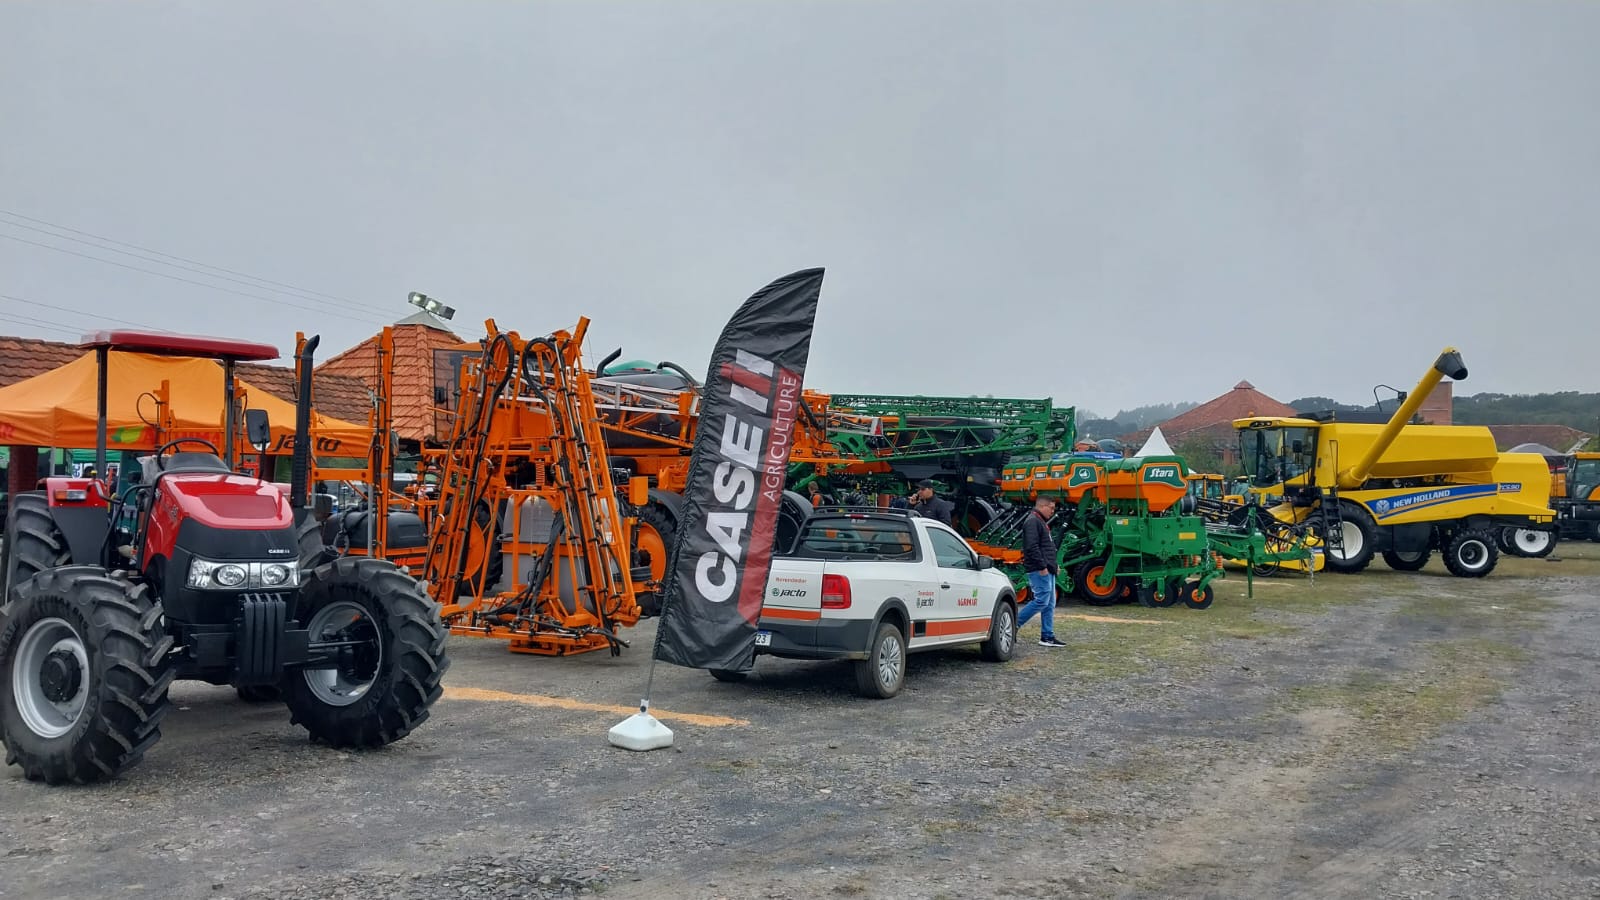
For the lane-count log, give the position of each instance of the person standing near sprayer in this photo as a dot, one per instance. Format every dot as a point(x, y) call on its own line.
point(1039, 556)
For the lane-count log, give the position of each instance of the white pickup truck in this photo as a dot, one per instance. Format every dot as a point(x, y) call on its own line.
point(871, 585)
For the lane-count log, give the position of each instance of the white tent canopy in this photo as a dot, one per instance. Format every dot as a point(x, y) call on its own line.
point(1156, 445)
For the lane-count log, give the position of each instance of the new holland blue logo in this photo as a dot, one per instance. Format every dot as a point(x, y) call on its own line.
point(1404, 503)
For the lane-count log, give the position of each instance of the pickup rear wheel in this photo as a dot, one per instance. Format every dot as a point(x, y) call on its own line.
point(883, 672)
point(1002, 634)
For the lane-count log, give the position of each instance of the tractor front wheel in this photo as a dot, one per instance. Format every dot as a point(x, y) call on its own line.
point(83, 675)
point(381, 648)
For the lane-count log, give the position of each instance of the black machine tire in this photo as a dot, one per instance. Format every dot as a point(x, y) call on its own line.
point(656, 523)
point(976, 514)
point(794, 510)
point(1471, 553)
point(1357, 522)
point(1161, 596)
point(883, 673)
point(1407, 561)
point(313, 553)
point(1002, 640)
point(1198, 599)
point(728, 676)
point(1098, 596)
point(122, 675)
point(33, 542)
point(1528, 543)
point(411, 661)
point(1594, 531)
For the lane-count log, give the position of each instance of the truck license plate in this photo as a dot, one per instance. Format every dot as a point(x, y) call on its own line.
point(763, 639)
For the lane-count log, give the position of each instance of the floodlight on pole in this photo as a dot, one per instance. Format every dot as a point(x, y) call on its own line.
point(430, 305)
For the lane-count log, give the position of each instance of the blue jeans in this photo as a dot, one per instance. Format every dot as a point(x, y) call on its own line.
point(1042, 589)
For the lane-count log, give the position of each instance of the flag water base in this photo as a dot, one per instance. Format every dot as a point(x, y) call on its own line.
point(641, 731)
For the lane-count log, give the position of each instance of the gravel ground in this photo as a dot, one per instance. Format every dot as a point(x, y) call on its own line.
point(1381, 735)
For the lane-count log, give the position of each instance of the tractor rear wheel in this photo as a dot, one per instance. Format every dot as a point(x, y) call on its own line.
point(1471, 553)
point(653, 538)
point(83, 675)
point(33, 542)
point(1407, 560)
point(1354, 550)
point(387, 660)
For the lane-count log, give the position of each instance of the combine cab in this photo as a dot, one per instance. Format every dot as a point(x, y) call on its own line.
point(200, 573)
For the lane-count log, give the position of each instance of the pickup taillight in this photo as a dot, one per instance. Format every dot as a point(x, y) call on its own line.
point(835, 592)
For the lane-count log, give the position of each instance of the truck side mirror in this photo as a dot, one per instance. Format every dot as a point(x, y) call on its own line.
point(258, 428)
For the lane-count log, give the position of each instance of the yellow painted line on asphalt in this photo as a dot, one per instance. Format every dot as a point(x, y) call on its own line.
point(466, 693)
point(1108, 619)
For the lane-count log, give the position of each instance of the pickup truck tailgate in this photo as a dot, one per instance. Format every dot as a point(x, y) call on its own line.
point(792, 605)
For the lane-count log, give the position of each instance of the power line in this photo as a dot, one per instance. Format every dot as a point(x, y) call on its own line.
point(41, 323)
point(310, 294)
point(79, 312)
point(214, 287)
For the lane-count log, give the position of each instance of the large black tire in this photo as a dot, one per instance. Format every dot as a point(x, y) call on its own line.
point(389, 692)
point(84, 673)
point(653, 538)
point(313, 553)
point(883, 673)
point(1471, 553)
point(33, 542)
point(1407, 561)
point(1002, 640)
point(1359, 540)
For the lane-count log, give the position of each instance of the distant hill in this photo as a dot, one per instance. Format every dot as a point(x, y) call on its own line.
point(1092, 426)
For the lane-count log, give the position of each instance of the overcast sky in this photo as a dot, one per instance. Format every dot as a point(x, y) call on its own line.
point(1106, 203)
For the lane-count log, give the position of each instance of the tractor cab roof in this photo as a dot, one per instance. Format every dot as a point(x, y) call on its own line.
point(160, 344)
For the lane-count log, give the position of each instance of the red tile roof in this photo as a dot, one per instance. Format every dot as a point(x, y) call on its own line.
point(336, 395)
point(1560, 438)
point(415, 340)
point(1214, 418)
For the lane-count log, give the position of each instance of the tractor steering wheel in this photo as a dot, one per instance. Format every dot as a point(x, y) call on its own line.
point(161, 451)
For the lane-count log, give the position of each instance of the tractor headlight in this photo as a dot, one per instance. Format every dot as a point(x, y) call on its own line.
point(206, 574)
point(229, 575)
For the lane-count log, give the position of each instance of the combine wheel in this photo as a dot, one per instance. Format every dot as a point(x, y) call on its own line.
point(1356, 532)
point(384, 653)
point(1096, 594)
point(1471, 553)
point(1200, 598)
point(1407, 560)
point(653, 538)
point(32, 543)
point(83, 675)
point(1529, 543)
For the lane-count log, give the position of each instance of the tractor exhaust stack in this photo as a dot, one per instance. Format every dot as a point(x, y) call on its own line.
point(300, 467)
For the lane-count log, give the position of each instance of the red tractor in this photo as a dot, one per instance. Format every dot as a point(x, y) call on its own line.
point(196, 572)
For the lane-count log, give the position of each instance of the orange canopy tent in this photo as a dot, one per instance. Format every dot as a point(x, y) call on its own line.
point(57, 409)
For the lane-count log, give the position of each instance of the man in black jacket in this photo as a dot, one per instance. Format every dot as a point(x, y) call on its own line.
point(1039, 556)
point(930, 506)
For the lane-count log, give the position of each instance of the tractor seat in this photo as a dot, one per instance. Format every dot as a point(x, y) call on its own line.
point(198, 461)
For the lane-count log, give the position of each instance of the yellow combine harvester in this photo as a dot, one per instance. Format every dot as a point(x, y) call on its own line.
point(1398, 489)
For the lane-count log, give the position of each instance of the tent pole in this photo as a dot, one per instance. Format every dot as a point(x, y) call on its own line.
point(102, 360)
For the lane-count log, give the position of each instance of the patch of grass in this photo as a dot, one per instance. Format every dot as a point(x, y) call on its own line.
point(1399, 712)
point(938, 828)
